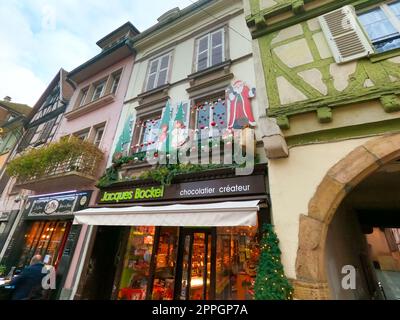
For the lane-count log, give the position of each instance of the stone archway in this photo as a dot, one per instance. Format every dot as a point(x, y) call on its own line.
point(311, 278)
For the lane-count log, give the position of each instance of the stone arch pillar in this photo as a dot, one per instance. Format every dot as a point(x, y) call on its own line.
point(311, 277)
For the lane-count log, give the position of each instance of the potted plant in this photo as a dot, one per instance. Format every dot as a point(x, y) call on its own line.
point(2, 270)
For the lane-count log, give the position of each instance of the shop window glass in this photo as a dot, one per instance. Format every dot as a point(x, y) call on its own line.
point(199, 279)
point(45, 238)
point(136, 268)
point(185, 268)
point(164, 275)
point(236, 265)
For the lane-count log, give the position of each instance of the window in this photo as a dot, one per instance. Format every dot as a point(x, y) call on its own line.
point(50, 104)
point(46, 130)
point(83, 135)
point(98, 136)
point(382, 24)
point(136, 268)
point(45, 238)
point(99, 90)
point(26, 140)
point(210, 50)
point(149, 134)
point(116, 78)
point(83, 96)
point(211, 118)
point(11, 118)
point(158, 72)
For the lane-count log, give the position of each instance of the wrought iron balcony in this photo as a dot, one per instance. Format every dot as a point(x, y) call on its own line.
point(64, 165)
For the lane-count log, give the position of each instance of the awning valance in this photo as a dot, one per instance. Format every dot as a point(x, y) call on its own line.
point(233, 213)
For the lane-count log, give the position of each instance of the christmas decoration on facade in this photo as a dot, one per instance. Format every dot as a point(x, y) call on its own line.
point(179, 132)
point(211, 120)
point(238, 97)
point(271, 282)
point(125, 137)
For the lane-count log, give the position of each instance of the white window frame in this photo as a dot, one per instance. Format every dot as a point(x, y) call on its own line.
point(97, 130)
point(393, 19)
point(142, 131)
point(84, 95)
point(211, 129)
point(210, 48)
point(83, 133)
point(158, 71)
point(104, 82)
point(114, 87)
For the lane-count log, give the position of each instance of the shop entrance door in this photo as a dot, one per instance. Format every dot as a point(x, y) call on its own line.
point(195, 272)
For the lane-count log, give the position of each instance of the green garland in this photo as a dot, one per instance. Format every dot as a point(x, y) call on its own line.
point(271, 282)
point(162, 174)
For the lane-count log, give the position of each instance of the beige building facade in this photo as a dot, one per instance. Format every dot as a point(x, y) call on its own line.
point(332, 80)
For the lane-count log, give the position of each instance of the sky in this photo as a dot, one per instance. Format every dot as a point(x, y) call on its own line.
point(38, 37)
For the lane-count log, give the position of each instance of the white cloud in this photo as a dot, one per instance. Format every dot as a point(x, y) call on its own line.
point(41, 36)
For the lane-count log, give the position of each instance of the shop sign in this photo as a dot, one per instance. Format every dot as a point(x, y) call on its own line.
point(249, 185)
point(4, 216)
point(56, 205)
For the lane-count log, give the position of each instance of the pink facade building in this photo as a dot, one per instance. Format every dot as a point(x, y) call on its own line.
point(85, 103)
point(94, 112)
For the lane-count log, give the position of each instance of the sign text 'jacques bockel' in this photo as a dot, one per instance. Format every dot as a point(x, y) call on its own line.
point(136, 194)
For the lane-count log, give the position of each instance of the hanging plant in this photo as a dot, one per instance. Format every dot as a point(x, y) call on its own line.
point(35, 162)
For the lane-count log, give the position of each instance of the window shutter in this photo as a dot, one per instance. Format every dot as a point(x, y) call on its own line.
point(344, 35)
point(151, 80)
point(202, 53)
point(26, 139)
point(44, 135)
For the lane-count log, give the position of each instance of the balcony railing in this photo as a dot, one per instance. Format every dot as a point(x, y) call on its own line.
point(58, 166)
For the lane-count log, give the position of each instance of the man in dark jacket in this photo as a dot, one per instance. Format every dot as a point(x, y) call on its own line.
point(28, 284)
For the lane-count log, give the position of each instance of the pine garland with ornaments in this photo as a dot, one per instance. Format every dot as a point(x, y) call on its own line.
point(271, 282)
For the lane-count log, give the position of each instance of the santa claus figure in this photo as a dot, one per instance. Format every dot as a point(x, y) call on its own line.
point(238, 102)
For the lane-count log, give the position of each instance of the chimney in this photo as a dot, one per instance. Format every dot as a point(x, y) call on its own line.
point(7, 98)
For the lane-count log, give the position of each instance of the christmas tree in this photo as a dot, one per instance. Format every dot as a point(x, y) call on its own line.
point(163, 140)
point(125, 137)
point(271, 282)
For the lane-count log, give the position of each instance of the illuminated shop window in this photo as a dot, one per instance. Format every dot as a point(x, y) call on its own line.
point(45, 238)
point(136, 268)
